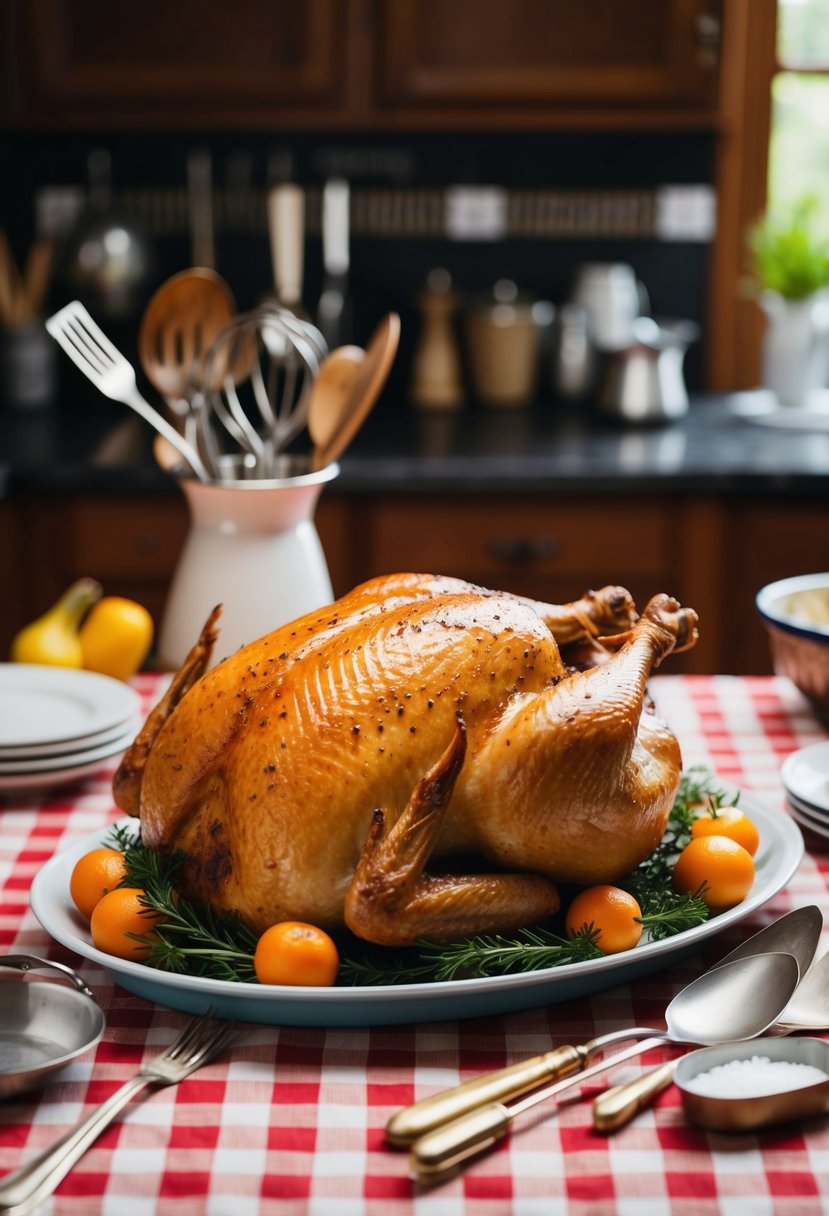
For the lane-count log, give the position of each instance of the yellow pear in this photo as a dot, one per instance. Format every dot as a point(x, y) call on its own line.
point(53, 638)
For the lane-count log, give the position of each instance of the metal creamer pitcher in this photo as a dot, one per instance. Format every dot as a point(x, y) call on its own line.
point(645, 382)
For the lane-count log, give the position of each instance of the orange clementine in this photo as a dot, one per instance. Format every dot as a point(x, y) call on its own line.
point(295, 953)
point(117, 914)
point(610, 910)
point(728, 821)
point(93, 876)
point(724, 866)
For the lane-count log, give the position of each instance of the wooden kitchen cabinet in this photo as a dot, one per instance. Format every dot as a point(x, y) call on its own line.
point(171, 61)
point(555, 549)
point(547, 53)
point(11, 575)
point(711, 553)
point(359, 64)
point(130, 543)
point(766, 542)
point(525, 544)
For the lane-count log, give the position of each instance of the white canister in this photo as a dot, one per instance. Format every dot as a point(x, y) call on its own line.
point(613, 298)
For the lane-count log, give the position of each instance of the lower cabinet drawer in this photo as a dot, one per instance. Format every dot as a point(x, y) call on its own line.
point(600, 542)
point(126, 538)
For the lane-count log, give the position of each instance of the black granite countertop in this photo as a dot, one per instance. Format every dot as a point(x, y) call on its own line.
point(100, 446)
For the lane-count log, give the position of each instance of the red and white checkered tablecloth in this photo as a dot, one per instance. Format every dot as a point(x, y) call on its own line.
point(292, 1121)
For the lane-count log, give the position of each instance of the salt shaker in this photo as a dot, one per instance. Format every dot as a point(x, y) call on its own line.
point(436, 382)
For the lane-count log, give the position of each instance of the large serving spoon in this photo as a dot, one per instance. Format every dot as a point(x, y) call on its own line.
point(807, 1010)
point(181, 321)
point(372, 372)
point(331, 395)
point(739, 1000)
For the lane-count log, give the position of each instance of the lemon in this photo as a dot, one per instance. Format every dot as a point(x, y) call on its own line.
point(116, 637)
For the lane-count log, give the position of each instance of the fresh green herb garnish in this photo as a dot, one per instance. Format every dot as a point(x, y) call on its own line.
point(526, 950)
point(650, 882)
point(192, 938)
point(195, 940)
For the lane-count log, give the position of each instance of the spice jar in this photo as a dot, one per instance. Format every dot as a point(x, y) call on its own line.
point(503, 338)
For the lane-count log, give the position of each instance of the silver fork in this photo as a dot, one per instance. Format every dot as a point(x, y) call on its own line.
point(201, 1041)
point(91, 350)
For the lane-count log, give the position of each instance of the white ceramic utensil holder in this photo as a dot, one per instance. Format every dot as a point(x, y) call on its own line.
point(252, 547)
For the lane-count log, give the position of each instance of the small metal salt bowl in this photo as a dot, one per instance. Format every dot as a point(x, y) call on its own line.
point(749, 1114)
point(44, 1024)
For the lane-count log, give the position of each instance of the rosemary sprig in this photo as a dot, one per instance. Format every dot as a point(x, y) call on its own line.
point(664, 911)
point(652, 879)
point(473, 957)
point(668, 913)
point(191, 938)
point(528, 950)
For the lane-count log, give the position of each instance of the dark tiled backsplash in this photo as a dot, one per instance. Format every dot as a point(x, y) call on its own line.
point(566, 199)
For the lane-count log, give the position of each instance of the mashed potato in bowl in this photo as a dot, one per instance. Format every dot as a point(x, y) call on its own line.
point(796, 615)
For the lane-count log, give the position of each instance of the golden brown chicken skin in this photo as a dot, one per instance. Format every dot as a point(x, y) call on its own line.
point(332, 770)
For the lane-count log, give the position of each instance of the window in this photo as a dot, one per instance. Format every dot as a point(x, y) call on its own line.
point(799, 148)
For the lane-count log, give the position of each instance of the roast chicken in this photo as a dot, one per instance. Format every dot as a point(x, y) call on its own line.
point(422, 759)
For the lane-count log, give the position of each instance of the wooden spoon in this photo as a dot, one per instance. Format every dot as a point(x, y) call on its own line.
point(331, 393)
point(179, 324)
point(167, 457)
point(371, 374)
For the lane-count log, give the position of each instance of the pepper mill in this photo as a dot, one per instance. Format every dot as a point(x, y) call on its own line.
point(436, 382)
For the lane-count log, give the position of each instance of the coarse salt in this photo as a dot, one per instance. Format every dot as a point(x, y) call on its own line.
point(754, 1078)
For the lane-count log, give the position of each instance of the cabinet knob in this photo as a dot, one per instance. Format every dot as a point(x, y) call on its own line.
point(522, 550)
point(146, 542)
point(707, 34)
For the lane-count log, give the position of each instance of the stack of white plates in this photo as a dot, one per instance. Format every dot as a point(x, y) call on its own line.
point(58, 724)
point(805, 775)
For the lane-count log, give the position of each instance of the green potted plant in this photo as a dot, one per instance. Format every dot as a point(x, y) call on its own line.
point(790, 263)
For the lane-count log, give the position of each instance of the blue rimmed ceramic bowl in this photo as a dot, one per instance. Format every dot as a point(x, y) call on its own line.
point(796, 615)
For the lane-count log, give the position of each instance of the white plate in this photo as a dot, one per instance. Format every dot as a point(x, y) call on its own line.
point(815, 822)
point(54, 764)
point(69, 749)
point(30, 782)
point(762, 408)
point(40, 706)
point(779, 854)
point(814, 812)
point(805, 773)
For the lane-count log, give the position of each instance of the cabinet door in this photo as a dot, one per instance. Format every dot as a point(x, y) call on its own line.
point(180, 61)
point(129, 543)
point(527, 546)
point(548, 52)
point(767, 542)
point(556, 549)
point(12, 607)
